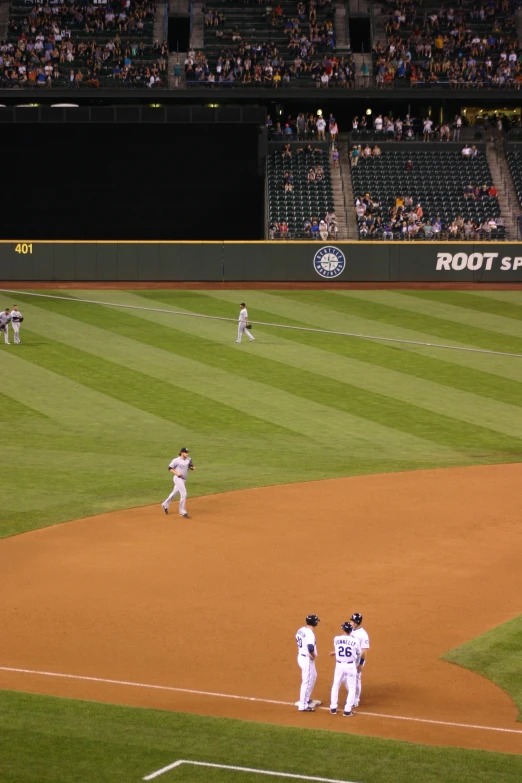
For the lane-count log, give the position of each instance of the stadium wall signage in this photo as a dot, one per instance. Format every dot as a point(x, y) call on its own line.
point(282, 261)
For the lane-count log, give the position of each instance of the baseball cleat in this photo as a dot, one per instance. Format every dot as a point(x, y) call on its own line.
point(185, 515)
point(308, 709)
point(356, 704)
point(333, 711)
point(314, 702)
point(347, 714)
point(237, 341)
point(166, 511)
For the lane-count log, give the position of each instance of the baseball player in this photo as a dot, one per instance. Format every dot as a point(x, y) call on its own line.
point(360, 634)
point(306, 655)
point(242, 325)
point(347, 651)
point(5, 317)
point(179, 467)
point(16, 320)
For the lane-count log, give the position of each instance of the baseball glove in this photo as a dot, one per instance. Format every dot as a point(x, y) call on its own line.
point(248, 326)
point(2, 327)
point(21, 319)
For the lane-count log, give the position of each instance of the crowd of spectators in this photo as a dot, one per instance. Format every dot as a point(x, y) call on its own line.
point(302, 127)
point(405, 220)
point(76, 43)
point(306, 55)
point(321, 229)
point(466, 44)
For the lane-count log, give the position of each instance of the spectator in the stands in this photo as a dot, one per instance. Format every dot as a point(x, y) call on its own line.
point(354, 156)
point(427, 128)
point(376, 151)
point(466, 151)
point(409, 165)
point(335, 157)
point(288, 182)
point(321, 126)
point(311, 176)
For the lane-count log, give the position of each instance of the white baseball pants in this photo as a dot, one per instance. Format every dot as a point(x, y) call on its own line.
point(308, 678)
point(16, 330)
point(179, 486)
point(6, 334)
point(345, 674)
point(241, 329)
point(358, 687)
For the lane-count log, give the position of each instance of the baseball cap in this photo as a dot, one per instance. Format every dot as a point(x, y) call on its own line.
point(184, 450)
point(242, 304)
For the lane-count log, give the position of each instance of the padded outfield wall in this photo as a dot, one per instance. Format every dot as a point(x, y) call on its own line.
point(86, 261)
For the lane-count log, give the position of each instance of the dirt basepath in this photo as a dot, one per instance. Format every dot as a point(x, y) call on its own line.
point(431, 559)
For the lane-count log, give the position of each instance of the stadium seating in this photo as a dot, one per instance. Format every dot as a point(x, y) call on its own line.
point(459, 57)
point(437, 182)
point(115, 54)
point(253, 24)
point(308, 199)
point(514, 158)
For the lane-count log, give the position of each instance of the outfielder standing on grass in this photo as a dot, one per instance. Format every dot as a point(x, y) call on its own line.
point(360, 634)
point(16, 320)
point(5, 317)
point(179, 467)
point(243, 326)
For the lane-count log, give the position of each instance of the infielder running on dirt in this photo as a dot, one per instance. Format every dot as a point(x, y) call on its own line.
point(360, 634)
point(306, 655)
point(347, 651)
point(179, 467)
point(242, 327)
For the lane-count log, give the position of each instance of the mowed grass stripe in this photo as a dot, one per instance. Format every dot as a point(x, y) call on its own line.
point(163, 399)
point(432, 304)
point(430, 365)
point(502, 312)
point(445, 331)
point(363, 402)
point(491, 368)
point(508, 297)
point(71, 404)
point(427, 394)
point(273, 402)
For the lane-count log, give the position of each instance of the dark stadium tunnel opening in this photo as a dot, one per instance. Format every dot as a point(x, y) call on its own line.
point(132, 182)
point(179, 33)
point(360, 35)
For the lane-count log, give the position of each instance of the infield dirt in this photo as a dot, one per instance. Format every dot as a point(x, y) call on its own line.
point(431, 559)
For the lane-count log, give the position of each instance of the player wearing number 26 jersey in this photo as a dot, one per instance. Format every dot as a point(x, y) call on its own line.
point(347, 651)
point(306, 655)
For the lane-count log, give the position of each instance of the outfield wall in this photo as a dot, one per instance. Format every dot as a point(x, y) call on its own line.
point(261, 261)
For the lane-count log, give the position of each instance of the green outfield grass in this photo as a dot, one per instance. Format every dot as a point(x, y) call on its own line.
point(495, 655)
point(75, 742)
point(97, 401)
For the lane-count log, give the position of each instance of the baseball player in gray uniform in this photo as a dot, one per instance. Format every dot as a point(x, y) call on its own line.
point(242, 325)
point(5, 317)
point(16, 320)
point(179, 467)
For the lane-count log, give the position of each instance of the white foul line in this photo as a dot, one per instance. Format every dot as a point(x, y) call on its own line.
point(171, 688)
point(240, 769)
point(264, 323)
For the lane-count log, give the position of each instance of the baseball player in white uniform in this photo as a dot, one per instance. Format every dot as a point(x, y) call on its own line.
point(242, 325)
point(179, 467)
point(16, 320)
point(5, 317)
point(347, 651)
point(306, 655)
point(360, 634)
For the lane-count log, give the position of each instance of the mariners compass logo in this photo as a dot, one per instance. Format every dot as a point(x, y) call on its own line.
point(329, 262)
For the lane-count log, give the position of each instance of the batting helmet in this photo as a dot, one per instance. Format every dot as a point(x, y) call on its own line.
point(312, 619)
point(347, 627)
point(356, 618)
